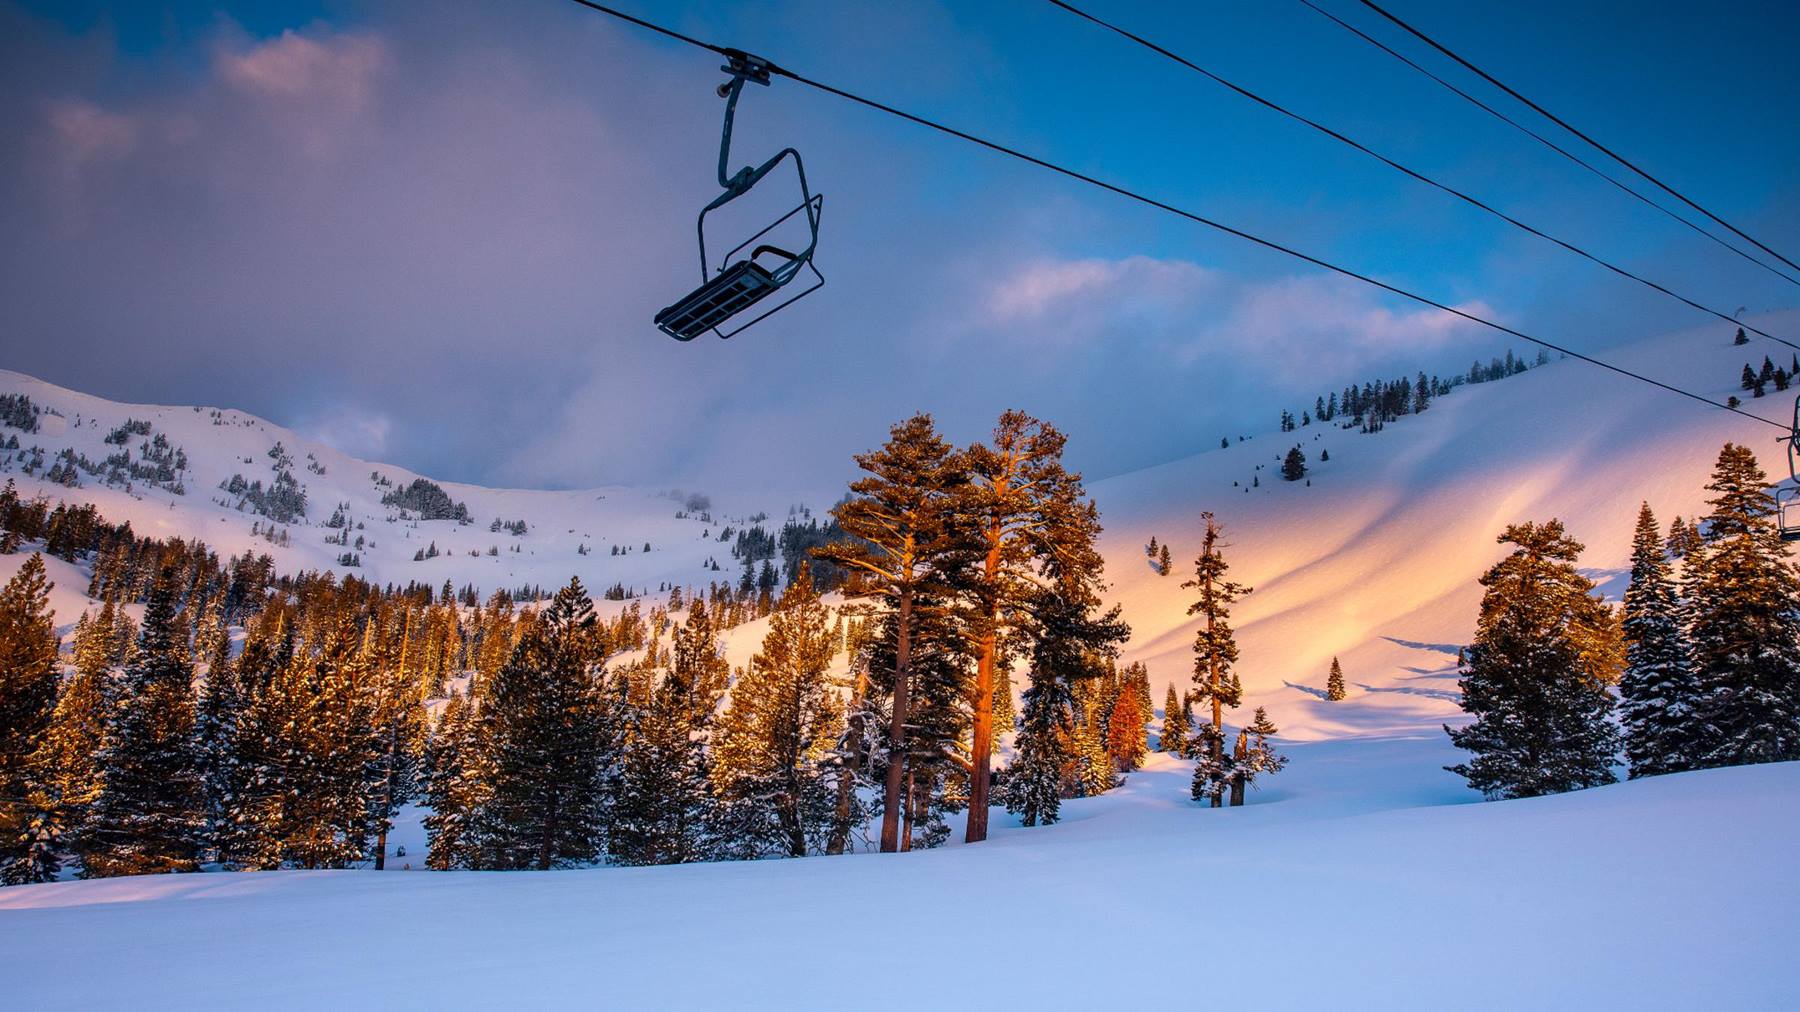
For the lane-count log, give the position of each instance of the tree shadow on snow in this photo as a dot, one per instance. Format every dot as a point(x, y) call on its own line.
point(1444, 694)
point(1309, 690)
point(1442, 648)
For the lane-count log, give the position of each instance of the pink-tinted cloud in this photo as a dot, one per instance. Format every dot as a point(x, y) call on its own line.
point(335, 69)
point(1188, 312)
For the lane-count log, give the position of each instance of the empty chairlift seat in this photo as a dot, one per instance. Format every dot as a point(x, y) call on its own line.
point(735, 284)
point(730, 292)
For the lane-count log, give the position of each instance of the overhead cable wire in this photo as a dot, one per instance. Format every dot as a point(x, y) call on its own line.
point(1466, 198)
point(1161, 205)
point(1541, 139)
point(1559, 121)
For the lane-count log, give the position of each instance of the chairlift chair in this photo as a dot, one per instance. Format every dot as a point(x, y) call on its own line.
point(738, 282)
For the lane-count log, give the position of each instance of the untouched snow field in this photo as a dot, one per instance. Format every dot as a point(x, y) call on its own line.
point(1351, 883)
point(1364, 876)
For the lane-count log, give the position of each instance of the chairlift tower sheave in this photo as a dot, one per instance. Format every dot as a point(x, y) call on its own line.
point(738, 282)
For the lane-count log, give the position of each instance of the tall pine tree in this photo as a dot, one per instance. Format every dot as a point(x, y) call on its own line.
point(547, 735)
point(775, 739)
point(150, 815)
point(1215, 652)
point(1031, 525)
point(901, 547)
point(1743, 601)
point(1659, 693)
point(28, 679)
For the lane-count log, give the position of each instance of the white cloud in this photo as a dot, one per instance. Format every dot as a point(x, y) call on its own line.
point(356, 432)
point(339, 68)
point(1188, 311)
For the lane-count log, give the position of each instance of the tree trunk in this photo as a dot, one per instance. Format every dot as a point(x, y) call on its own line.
point(545, 846)
point(387, 801)
point(906, 830)
point(891, 799)
point(846, 788)
point(1218, 715)
point(789, 812)
point(1240, 754)
point(981, 741)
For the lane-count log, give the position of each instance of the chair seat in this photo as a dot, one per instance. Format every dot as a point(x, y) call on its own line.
point(733, 290)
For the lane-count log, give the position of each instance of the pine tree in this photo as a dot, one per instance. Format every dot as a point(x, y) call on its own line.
point(776, 737)
point(1743, 602)
point(1026, 513)
point(220, 711)
point(1215, 652)
point(1072, 644)
point(1034, 779)
point(901, 546)
point(546, 733)
point(395, 775)
point(1659, 692)
point(1005, 715)
point(1684, 538)
point(325, 750)
point(663, 810)
point(453, 787)
point(1542, 713)
point(1293, 466)
point(1125, 732)
point(1334, 682)
point(1173, 739)
point(28, 678)
point(1255, 756)
point(1094, 764)
point(66, 756)
point(150, 815)
point(1164, 564)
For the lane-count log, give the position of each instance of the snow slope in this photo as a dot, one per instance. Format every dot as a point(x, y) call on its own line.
point(221, 443)
point(1376, 561)
point(1677, 892)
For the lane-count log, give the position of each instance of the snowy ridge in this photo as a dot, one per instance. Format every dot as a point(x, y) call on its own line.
point(220, 444)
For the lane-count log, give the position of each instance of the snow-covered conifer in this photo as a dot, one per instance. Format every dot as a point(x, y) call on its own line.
point(1743, 607)
point(150, 815)
point(1542, 707)
point(1659, 692)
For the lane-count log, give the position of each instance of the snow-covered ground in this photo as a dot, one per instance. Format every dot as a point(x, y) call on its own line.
point(1357, 882)
point(1363, 876)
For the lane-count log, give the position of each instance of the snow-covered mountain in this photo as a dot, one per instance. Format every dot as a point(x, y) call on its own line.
point(229, 491)
point(1375, 561)
point(1372, 559)
point(1361, 877)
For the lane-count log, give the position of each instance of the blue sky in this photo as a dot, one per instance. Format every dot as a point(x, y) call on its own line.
point(436, 234)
